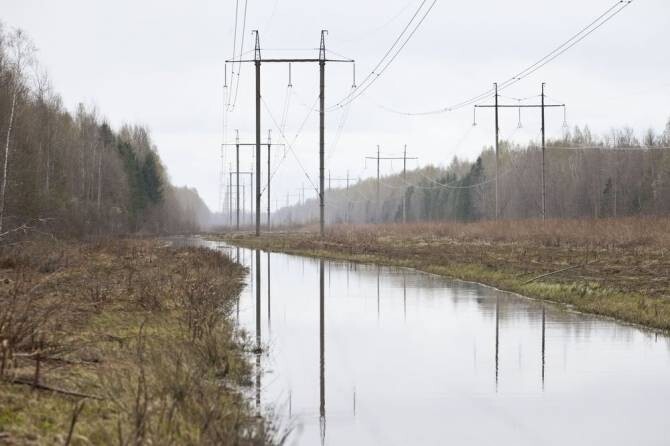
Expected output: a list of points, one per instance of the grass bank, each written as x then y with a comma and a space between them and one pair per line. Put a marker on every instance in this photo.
615, 268
123, 342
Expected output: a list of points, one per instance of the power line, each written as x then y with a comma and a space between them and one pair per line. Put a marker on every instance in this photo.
289, 145
239, 65
602, 19
237, 4
372, 77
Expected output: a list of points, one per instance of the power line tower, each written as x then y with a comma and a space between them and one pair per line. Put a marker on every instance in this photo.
237, 144
404, 159
542, 106
321, 60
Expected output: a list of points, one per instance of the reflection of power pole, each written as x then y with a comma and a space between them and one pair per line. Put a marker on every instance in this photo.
519, 106
258, 329
543, 344
497, 331
404, 296
321, 60
322, 355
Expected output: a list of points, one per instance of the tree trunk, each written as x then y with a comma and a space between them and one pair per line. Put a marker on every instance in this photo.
99, 179
3, 188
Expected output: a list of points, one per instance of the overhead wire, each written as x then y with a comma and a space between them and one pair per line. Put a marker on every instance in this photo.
369, 32
237, 4
338, 133
594, 25
289, 144
373, 75
239, 64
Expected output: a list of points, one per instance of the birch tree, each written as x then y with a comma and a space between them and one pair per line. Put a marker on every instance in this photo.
20, 56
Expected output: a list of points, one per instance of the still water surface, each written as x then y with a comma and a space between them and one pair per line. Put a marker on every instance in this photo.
366, 355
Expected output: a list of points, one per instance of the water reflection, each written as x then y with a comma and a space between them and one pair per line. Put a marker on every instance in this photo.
396, 379
322, 356
258, 329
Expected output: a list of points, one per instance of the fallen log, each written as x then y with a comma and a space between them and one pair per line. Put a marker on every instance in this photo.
41, 386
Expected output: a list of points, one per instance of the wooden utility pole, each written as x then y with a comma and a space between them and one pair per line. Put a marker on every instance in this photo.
237, 174
542, 106
257, 63
331, 179
268, 186
404, 180
544, 190
322, 117
377, 174
497, 151
237, 145
237, 179
321, 60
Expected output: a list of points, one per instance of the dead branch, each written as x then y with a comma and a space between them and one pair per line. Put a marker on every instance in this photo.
552, 273
42, 386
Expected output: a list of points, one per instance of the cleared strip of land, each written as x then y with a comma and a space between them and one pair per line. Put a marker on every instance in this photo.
616, 268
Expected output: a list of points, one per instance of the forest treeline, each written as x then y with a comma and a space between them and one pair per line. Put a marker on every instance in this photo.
70, 172
615, 175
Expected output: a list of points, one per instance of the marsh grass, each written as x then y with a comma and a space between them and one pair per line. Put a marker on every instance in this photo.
144, 330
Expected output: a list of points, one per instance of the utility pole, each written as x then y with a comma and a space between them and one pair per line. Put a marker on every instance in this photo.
348, 216
237, 173
544, 194
497, 151
542, 106
377, 174
251, 196
269, 177
257, 62
321, 60
404, 159
230, 198
331, 179
404, 180
237, 146
322, 116
237, 170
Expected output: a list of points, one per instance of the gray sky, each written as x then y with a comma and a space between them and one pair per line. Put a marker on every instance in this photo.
161, 64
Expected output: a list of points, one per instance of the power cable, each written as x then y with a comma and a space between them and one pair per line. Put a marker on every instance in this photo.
601, 20
290, 145
239, 64
372, 77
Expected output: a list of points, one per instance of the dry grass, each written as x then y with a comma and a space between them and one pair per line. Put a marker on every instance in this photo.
603, 233
142, 330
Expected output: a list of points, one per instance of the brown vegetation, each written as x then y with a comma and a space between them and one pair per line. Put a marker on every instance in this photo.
139, 331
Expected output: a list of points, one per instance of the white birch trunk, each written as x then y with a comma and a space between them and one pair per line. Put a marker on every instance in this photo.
3, 188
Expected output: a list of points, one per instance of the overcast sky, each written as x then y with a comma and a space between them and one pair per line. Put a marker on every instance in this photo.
161, 64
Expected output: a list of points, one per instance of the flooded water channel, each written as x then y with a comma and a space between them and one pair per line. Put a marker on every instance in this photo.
362, 355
